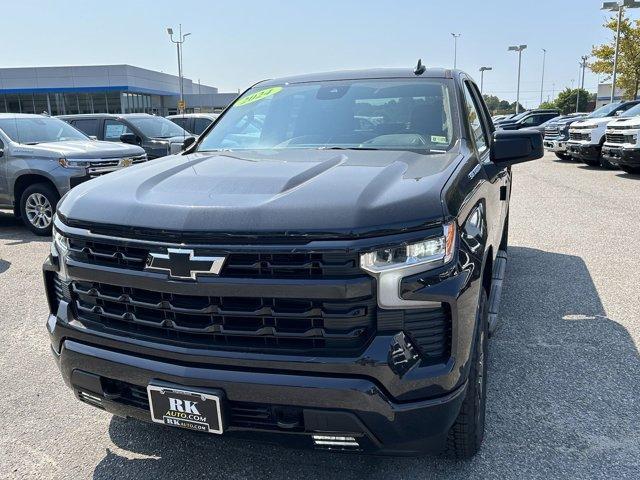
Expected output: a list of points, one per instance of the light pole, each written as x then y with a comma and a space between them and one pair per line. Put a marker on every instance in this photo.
482, 70
519, 49
583, 65
179, 42
455, 48
544, 56
618, 6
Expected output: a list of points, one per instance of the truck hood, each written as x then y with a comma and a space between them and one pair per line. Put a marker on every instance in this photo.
593, 122
625, 122
269, 191
83, 149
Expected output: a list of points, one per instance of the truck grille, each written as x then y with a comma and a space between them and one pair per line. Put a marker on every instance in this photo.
101, 167
617, 138
252, 265
579, 136
264, 324
551, 131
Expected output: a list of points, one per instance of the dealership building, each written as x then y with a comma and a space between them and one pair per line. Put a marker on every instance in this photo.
103, 89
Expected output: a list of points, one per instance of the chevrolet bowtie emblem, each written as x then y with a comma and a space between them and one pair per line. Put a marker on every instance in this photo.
183, 264
125, 162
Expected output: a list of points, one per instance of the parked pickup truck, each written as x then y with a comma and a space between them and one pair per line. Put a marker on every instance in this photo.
622, 145
42, 158
556, 134
156, 135
586, 137
298, 274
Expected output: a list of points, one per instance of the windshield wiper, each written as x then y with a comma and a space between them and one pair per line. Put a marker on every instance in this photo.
346, 148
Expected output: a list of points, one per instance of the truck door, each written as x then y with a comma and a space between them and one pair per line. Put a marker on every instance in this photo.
497, 199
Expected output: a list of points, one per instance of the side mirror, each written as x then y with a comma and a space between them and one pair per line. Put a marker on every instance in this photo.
511, 147
188, 142
130, 138
93, 137
510, 126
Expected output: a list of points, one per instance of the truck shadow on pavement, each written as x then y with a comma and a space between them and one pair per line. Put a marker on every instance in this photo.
562, 402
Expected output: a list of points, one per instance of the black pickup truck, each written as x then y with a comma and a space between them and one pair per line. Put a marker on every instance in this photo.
322, 268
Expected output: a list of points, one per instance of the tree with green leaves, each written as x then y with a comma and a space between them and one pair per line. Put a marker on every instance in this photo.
566, 101
628, 77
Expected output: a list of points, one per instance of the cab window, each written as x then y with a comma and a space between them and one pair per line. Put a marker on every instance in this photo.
89, 126
475, 121
113, 129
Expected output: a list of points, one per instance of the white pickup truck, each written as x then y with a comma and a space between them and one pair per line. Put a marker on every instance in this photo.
587, 137
622, 141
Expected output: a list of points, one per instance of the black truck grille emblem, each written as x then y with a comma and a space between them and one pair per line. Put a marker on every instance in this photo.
183, 264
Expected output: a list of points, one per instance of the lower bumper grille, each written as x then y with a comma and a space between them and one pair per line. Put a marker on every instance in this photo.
239, 414
264, 324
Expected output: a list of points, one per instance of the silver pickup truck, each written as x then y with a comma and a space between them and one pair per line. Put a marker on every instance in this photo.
42, 158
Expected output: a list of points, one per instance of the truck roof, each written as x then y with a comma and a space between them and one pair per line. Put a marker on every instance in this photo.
373, 73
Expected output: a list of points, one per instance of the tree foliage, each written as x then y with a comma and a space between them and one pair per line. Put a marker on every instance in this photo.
566, 100
628, 79
499, 107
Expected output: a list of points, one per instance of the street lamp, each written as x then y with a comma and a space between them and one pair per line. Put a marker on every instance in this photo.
618, 6
455, 48
482, 70
583, 65
519, 49
544, 56
179, 42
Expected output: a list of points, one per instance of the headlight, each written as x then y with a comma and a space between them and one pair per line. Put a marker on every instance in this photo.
429, 253
60, 242
73, 163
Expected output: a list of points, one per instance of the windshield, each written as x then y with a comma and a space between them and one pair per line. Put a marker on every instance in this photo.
33, 130
632, 112
604, 111
355, 114
157, 127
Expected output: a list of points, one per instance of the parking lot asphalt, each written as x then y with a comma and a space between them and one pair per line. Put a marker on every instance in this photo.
564, 371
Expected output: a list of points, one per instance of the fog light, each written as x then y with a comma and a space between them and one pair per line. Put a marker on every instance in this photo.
335, 441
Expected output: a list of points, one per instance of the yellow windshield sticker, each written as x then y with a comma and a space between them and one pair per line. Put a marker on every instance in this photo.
260, 95
438, 139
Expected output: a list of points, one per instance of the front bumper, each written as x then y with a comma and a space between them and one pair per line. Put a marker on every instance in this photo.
621, 156
340, 406
585, 151
556, 146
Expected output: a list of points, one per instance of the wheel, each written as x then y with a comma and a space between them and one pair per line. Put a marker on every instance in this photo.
631, 170
37, 206
466, 434
563, 156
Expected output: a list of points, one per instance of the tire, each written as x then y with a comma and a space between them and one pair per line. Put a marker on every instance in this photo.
467, 432
37, 206
630, 170
563, 156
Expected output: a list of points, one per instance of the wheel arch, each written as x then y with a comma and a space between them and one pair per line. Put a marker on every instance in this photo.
24, 181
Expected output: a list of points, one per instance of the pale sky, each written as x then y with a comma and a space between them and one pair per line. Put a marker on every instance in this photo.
236, 43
